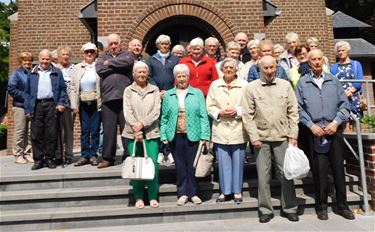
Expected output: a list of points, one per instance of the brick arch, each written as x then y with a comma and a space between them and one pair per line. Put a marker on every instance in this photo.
167, 9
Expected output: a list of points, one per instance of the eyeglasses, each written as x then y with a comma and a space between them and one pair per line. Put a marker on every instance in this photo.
90, 51
113, 43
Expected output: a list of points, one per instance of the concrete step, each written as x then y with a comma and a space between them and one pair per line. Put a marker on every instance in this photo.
122, 214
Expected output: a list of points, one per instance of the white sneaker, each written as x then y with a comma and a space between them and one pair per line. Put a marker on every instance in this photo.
170, 158
196, 200
182, 200
160, 158
20, 160
29, 159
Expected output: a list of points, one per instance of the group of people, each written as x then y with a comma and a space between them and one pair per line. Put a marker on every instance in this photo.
180, 98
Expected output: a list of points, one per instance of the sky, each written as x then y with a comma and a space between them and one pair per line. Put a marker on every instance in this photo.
5, 1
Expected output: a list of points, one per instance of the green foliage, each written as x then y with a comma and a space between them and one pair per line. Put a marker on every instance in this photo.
6, 10
3, 129
369, 120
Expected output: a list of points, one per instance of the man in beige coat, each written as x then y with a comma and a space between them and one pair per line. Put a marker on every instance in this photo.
270, 116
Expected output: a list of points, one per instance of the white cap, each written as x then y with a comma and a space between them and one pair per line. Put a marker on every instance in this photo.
88, 46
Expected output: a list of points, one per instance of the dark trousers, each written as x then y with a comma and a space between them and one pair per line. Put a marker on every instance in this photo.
90, 128
44, 130
320, 164
183, 152
112, 115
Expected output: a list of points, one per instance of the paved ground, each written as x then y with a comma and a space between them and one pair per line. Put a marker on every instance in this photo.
308, 222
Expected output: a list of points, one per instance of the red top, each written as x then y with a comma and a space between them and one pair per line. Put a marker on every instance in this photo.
202, 75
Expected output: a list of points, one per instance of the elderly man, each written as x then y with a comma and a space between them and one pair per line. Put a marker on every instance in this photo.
323, 107
241, 39
114, 68
270, 116
266, 49
135, 47
45, 96
212, 48
66, 118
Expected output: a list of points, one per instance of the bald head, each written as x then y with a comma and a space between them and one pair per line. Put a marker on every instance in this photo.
45, 59
241, 39
114, 44
268, 67
135, 46
315, 60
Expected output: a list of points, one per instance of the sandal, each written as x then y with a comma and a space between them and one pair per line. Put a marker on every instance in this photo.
154, 204
139, 204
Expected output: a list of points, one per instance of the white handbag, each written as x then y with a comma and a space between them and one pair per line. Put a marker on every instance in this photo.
203, 161
138, 168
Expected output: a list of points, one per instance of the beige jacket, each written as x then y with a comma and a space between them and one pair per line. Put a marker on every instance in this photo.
270, 111
142, 107
78, 71
226, 130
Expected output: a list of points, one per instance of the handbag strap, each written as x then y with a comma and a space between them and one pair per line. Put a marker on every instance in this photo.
144, 148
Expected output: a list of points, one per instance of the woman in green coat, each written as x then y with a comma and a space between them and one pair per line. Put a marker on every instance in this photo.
184, 124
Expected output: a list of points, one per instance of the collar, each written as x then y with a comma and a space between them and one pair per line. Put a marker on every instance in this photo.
234, 84
174, 90
149, 87
267, 83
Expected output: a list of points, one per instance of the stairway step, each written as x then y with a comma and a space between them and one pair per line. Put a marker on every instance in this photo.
94, 216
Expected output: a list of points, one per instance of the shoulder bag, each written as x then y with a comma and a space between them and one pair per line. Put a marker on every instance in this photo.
203, 161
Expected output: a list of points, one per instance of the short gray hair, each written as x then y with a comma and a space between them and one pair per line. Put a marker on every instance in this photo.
140, 64
342, 43
212, 38
179, 47
60, 49
163, 39
276, 46
181, 68
229, 60
232, 45
292, 35
252, 43
197, 42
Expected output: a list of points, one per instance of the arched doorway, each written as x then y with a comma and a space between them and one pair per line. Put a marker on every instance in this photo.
181, 29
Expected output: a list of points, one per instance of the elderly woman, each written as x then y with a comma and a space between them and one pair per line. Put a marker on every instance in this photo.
228, 134
302, 68
179, 51
16, 89
253, 47
348, 69
85, 100
202, 68
233, 50
313, 43
161, 67
142, 111
184, 124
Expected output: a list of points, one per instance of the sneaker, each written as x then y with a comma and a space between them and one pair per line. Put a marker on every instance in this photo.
170, 158
28, 158
160, 158
182, 200
196, 200
20, 160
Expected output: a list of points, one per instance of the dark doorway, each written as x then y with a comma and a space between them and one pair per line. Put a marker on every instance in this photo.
181, 29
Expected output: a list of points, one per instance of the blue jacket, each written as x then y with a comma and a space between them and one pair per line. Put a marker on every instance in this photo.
321, 106
16, 86
161, 74
197, 123
254, 73
58, 89
356, 71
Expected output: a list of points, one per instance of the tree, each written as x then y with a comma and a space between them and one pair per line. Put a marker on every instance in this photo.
5, 11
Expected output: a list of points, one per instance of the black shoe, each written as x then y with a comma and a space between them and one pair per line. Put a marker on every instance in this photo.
264, 218
293, 217
322, 214
346, 213
68, 161
37, 165
238, 200
50, 164
82, 161
221, 199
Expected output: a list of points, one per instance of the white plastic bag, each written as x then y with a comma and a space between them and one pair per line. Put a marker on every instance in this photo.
296, 164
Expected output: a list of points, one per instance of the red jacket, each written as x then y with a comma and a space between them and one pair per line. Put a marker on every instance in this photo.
203, 75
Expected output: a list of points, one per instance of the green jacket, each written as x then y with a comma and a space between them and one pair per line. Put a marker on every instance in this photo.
198, 126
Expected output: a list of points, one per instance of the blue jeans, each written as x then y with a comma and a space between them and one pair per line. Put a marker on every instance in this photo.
231, 159
90, 128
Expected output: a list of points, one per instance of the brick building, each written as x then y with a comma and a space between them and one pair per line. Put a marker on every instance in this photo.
50, 23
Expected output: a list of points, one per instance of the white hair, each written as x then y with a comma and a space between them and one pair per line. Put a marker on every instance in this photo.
163, 39
229, 60
181, 68
178, 48
216, 41
252, 43
276, 46
140, 64
292, 36
343, 44
232, 45
197, 42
